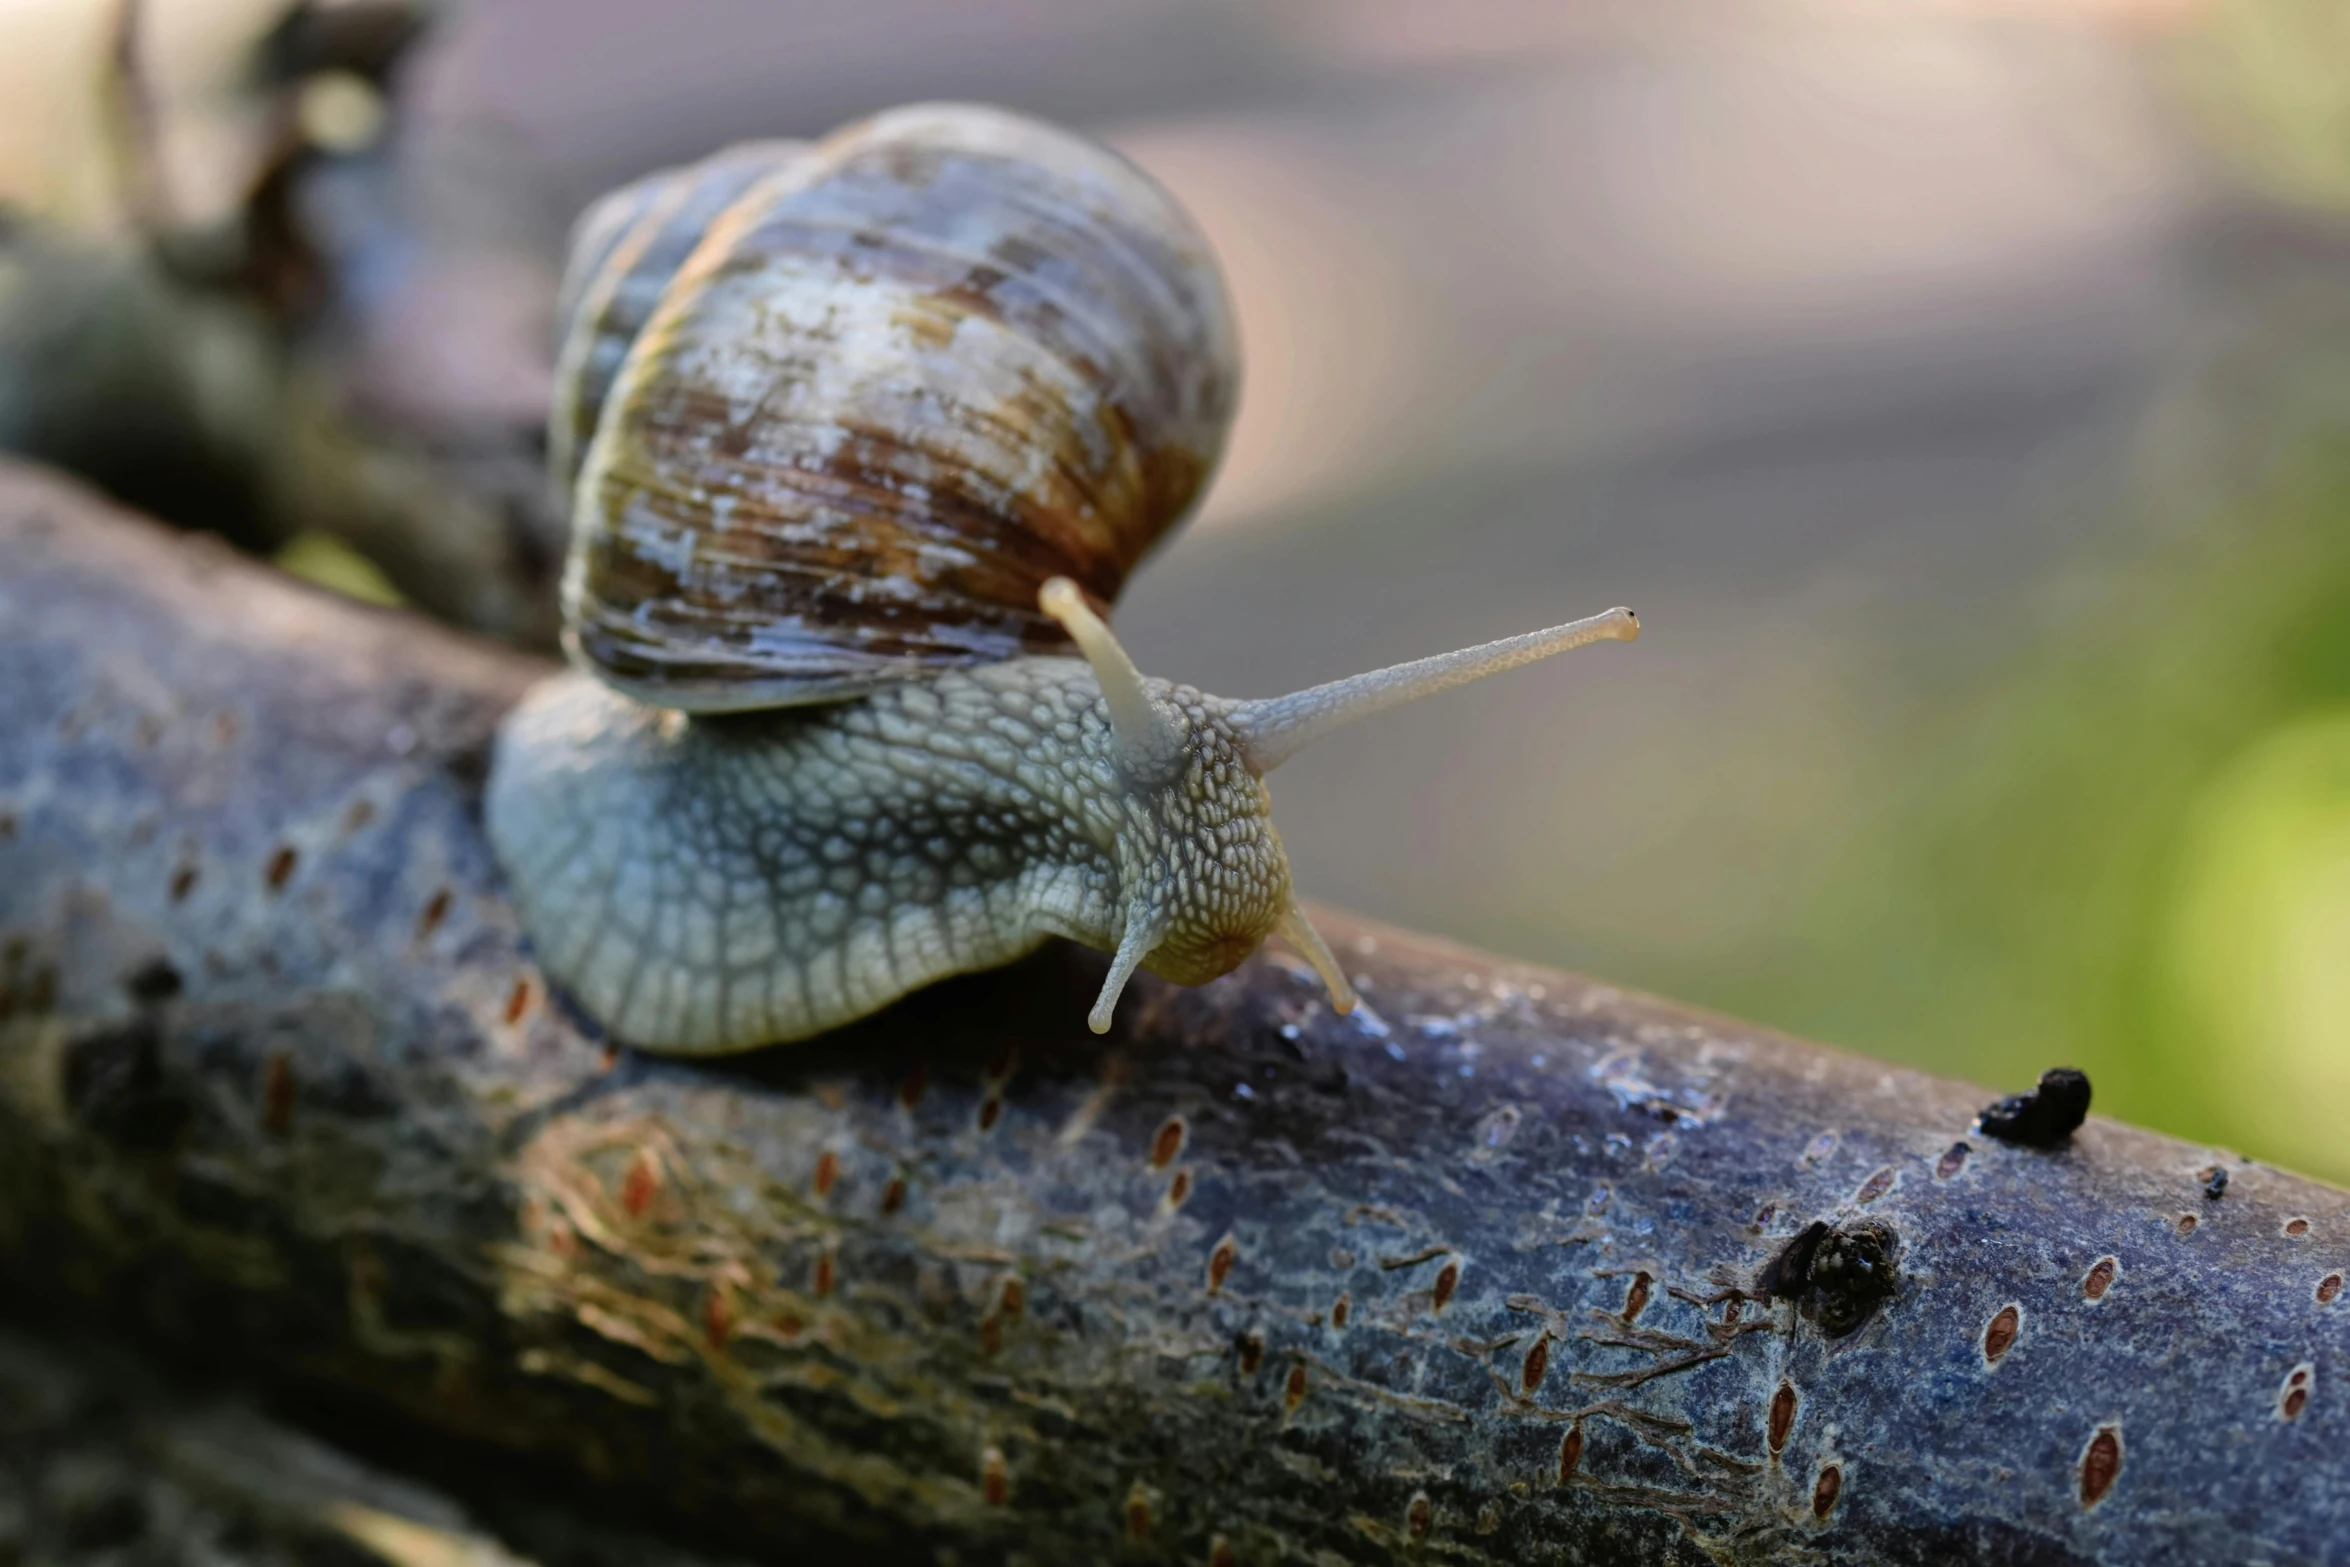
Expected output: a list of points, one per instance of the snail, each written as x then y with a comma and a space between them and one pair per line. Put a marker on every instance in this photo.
862, 438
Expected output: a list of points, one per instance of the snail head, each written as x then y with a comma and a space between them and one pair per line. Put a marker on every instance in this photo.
1208, 880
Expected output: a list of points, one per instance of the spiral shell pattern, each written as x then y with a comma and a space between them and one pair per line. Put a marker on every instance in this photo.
624, 250
833, 414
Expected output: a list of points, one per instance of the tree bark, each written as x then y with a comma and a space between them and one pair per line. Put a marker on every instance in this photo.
1469, 1276
103, 1462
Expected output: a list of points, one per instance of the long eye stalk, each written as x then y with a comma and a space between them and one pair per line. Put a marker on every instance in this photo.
1273, 730
1147, 737
1277, 728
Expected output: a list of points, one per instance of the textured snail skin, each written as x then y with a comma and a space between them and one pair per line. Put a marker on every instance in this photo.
713, 884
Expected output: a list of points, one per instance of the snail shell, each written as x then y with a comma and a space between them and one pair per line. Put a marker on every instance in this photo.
854, 404
624, 250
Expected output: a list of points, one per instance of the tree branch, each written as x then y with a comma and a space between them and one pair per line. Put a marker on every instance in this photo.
1472, 1273
102, 1462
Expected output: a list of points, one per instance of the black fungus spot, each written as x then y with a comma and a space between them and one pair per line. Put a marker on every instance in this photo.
1852, 1271
1785, 1275
2044, 1117
1835, 1274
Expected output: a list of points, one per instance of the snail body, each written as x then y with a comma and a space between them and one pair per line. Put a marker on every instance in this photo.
929, 829
860, 436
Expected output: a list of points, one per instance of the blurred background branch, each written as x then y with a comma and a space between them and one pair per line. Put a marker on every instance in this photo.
223, 297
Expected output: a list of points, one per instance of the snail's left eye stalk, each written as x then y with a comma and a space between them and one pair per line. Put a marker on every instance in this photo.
1148, 738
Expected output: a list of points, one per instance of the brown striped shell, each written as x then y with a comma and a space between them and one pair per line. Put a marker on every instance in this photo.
624, 251
833, 414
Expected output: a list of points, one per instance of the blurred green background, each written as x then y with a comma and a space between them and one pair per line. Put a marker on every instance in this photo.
1960, 392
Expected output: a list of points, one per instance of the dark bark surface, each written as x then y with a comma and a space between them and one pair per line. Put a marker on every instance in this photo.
104, 1464
1465, 1277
